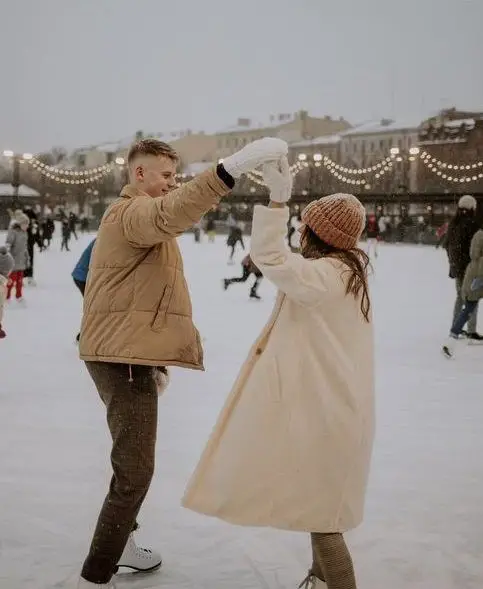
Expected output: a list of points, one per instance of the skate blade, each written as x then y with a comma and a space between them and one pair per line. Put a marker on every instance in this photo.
446, 353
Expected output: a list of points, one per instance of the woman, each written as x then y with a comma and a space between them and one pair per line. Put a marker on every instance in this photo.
6, 265
292, 446
471, 293
17, 245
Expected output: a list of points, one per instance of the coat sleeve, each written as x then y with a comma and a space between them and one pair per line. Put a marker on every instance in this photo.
304, 281
3, 295
476, 247
147, 221
10, 240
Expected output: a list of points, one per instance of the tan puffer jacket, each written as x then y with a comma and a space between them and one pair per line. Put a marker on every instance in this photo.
474, 269
137, 308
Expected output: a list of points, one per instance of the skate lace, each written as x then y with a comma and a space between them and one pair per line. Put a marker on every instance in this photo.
143, 552
308, 582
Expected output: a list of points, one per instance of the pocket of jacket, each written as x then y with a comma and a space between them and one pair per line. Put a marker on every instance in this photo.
159, 318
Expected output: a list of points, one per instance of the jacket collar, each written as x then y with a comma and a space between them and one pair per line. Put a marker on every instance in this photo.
130, 191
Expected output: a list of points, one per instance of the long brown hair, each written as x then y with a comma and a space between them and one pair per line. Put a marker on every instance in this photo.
356, 260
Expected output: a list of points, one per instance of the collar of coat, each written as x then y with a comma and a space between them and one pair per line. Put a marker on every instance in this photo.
130, 191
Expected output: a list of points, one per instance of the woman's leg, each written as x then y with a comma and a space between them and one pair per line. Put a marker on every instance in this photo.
468, 308
332, 561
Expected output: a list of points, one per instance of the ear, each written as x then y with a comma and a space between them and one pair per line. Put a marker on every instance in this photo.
139, 172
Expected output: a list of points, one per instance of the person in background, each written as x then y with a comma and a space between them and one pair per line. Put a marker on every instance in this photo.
66, 235
210, 228
197, 231
292, 447
457, 243
48, 230
235, 237
6, 266
471, 292
17, 245
73, 220
84, 224
441, 233
79, 274
372, 235
248, 268
34, 238
293, 232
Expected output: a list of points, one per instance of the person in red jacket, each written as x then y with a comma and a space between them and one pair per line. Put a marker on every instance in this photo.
373, 234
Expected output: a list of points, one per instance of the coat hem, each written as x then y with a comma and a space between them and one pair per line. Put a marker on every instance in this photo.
140, 361
329, 529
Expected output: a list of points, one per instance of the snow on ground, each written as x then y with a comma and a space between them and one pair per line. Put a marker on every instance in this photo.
424, 520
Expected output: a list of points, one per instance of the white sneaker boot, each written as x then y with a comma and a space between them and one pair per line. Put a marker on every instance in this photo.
83, 584
139, 559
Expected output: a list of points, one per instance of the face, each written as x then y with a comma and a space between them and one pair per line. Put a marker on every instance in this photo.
154, 175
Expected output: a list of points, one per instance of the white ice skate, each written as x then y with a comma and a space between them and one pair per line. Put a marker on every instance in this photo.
139, 559
312, 582
83, 584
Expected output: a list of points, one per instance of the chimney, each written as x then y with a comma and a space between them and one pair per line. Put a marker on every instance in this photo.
243, 122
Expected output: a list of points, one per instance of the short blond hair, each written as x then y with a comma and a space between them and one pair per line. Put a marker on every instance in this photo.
151, 147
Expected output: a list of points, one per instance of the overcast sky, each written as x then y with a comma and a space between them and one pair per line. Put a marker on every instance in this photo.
79, 72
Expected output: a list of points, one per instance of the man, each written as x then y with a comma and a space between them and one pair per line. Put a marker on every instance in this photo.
137, 317
457, 243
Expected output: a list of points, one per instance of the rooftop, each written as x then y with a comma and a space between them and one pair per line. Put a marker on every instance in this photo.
383, 126
324, 140
273, 121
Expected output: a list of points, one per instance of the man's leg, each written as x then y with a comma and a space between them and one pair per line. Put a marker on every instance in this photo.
132, 419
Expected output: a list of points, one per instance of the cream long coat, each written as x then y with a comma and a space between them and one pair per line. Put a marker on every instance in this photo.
292, 446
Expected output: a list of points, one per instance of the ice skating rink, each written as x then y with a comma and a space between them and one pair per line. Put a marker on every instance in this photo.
424, 519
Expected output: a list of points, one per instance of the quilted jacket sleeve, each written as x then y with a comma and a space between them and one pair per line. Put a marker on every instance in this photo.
3, 294
147, 221
304, 281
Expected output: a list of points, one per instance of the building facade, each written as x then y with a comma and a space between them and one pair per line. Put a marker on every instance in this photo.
451, 153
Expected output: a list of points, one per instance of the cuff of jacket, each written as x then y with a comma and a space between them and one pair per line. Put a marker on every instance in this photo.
224, 176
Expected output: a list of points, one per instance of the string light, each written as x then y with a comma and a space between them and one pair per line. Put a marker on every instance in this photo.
439, 168
450, 172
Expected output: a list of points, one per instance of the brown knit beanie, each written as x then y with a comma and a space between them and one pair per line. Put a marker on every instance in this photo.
338, 219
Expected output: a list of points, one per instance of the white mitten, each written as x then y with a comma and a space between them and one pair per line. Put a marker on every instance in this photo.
278, 178
254, 154
161, 378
